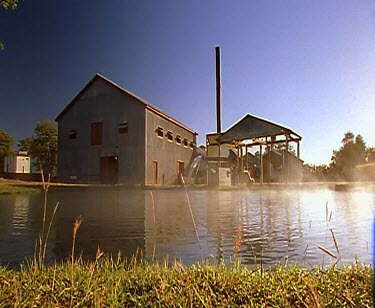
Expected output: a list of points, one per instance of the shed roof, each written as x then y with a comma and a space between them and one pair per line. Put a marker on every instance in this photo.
250, 127
137, 98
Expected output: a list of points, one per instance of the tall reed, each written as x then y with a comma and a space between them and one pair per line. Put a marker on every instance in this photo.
324, 249
77, 224
43, 236
237, 243
191, 211
153, 215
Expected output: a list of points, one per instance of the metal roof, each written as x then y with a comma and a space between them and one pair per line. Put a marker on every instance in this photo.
252, 127
137, 98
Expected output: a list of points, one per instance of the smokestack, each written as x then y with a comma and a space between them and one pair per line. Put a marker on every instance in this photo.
218, 90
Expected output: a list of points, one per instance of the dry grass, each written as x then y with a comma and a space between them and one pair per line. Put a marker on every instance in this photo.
106, 282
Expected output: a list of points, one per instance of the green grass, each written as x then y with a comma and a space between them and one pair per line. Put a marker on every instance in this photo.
109, 283
15, 189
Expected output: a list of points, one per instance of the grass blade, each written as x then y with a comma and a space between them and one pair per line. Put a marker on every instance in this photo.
335, 241
327, 251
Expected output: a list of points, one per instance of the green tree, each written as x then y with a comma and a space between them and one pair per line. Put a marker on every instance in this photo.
6, 144
44, 145
7, 4
282, 146
351, 154
316, 173
370, 154
25, 144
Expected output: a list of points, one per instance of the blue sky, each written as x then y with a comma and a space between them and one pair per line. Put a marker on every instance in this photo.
308, 65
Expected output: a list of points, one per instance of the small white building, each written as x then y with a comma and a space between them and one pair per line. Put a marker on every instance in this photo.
19, 163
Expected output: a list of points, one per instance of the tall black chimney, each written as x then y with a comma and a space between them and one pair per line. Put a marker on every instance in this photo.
218, 90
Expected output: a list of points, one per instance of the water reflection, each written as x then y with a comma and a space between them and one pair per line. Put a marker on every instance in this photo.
113, 220
269, 226
20, 214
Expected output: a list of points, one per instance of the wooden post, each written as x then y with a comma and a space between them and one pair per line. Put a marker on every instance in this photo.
261, 164
241, 157
218, 165
247, 159
298, 149
238, 165
269, 148
287, 160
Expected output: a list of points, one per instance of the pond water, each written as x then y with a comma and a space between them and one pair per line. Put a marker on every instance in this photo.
263, 227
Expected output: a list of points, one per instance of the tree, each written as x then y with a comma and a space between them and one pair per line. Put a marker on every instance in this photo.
370, 154
282, 146
351, 154
316, 173
7, 4
25, 144
44, 145
6, 144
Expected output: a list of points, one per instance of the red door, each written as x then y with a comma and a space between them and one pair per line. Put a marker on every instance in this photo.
109, 170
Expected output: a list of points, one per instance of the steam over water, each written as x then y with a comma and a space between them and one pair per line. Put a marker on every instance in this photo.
264, 227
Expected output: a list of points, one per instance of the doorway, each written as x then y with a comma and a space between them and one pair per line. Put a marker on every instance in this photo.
180, 171
109, 170
155, 172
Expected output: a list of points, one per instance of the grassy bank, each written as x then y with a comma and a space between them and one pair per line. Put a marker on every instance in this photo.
109, 283
8, 186
15, 189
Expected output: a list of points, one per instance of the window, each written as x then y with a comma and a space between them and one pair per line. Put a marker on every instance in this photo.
170, 136
178, 139
96, 133
123, 128
159, 132
191, 144
72, 134
185, 142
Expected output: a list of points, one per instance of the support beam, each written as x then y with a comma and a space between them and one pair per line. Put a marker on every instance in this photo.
287, 160
247, 159
298, 149
269, 149
238, 165
242, 155
261, 164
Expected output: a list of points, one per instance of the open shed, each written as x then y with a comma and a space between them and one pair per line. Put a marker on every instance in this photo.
244, 135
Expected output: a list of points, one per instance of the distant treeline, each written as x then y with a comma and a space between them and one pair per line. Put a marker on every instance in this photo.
354, 161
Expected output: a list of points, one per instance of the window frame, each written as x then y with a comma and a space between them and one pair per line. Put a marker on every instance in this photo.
72, 134
185, 142
178, 139
169, 135
123, 128
160, 132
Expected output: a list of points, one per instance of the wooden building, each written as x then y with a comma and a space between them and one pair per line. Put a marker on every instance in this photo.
279, 169
227, 151
107, 134
19, 163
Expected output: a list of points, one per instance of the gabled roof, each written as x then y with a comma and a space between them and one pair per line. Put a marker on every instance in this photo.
137, 98
250, 127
